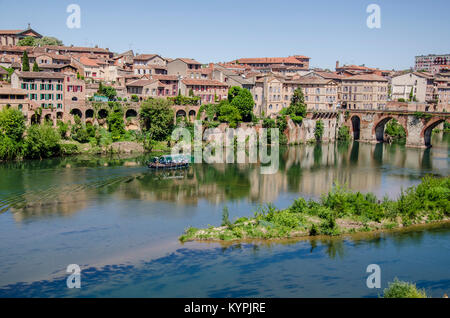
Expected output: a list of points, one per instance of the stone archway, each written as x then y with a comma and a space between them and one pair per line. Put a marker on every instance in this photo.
48, 118
131, 113
102, 113
76, 112
181, 113
89, 113
35, 119
379, 128
60, 115
192, 115
356, 127
428, 129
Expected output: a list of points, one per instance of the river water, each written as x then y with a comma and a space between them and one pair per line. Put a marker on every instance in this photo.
120, 223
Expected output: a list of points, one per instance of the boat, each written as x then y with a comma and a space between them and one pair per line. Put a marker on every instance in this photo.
169, 162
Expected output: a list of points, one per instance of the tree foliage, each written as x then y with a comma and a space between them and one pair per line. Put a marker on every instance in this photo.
157, 118
297, 108
229, 114
32, 41
242, 99
25, 62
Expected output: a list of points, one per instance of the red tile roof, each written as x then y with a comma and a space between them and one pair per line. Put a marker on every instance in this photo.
11, 31
41, 75
189, 61
203, 82
273, 60
365, 77
145, 57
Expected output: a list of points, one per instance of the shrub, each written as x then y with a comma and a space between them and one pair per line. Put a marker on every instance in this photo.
318, 131
69, 149
41, 141
343, 133
395, 130
400, 289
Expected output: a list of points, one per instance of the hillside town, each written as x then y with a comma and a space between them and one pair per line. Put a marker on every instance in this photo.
64, 81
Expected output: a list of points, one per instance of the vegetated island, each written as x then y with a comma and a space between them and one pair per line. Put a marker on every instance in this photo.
341, 211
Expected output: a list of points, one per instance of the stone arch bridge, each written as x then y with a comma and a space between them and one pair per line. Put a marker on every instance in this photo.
369, 125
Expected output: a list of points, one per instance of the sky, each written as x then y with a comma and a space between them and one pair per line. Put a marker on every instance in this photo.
218, 31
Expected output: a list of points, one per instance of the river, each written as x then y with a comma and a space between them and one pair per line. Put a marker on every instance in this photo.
120, 223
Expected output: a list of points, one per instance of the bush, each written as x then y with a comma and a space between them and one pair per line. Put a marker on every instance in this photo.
41, 141
400, 289
12, 123
229, 114
156, 117
318, 131
343, 133
69, 149
116, 124
395, 130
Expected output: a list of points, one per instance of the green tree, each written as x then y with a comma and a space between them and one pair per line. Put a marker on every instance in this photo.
25, 62
318, 131
48, 40
27, 41
233, 92
36, 67
411, 95
157, 118
243, 101
42, 141
32, 41
297, 108
116, 124
12, 124
229, 113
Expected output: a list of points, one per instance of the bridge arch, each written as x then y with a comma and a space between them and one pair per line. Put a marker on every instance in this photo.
379, 128
428, 129
381, 124
356, 127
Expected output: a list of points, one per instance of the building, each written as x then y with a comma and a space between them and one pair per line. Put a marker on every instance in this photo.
183, 67
156, 86
77, 50
3, 74
368, 91
12, 37
209, 91
15, 98
426, 62
149, 64
268, 63
44, 88
418, 83
273, 93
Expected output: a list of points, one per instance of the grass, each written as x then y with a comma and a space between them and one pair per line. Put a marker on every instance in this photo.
340, 211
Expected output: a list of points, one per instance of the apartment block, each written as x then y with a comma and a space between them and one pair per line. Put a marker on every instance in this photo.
364, 92
427, 62
207, 90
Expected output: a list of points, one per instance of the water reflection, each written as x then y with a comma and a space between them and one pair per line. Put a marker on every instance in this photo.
62, 187
291, 269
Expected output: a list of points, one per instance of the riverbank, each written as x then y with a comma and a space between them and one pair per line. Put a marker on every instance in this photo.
339, 212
